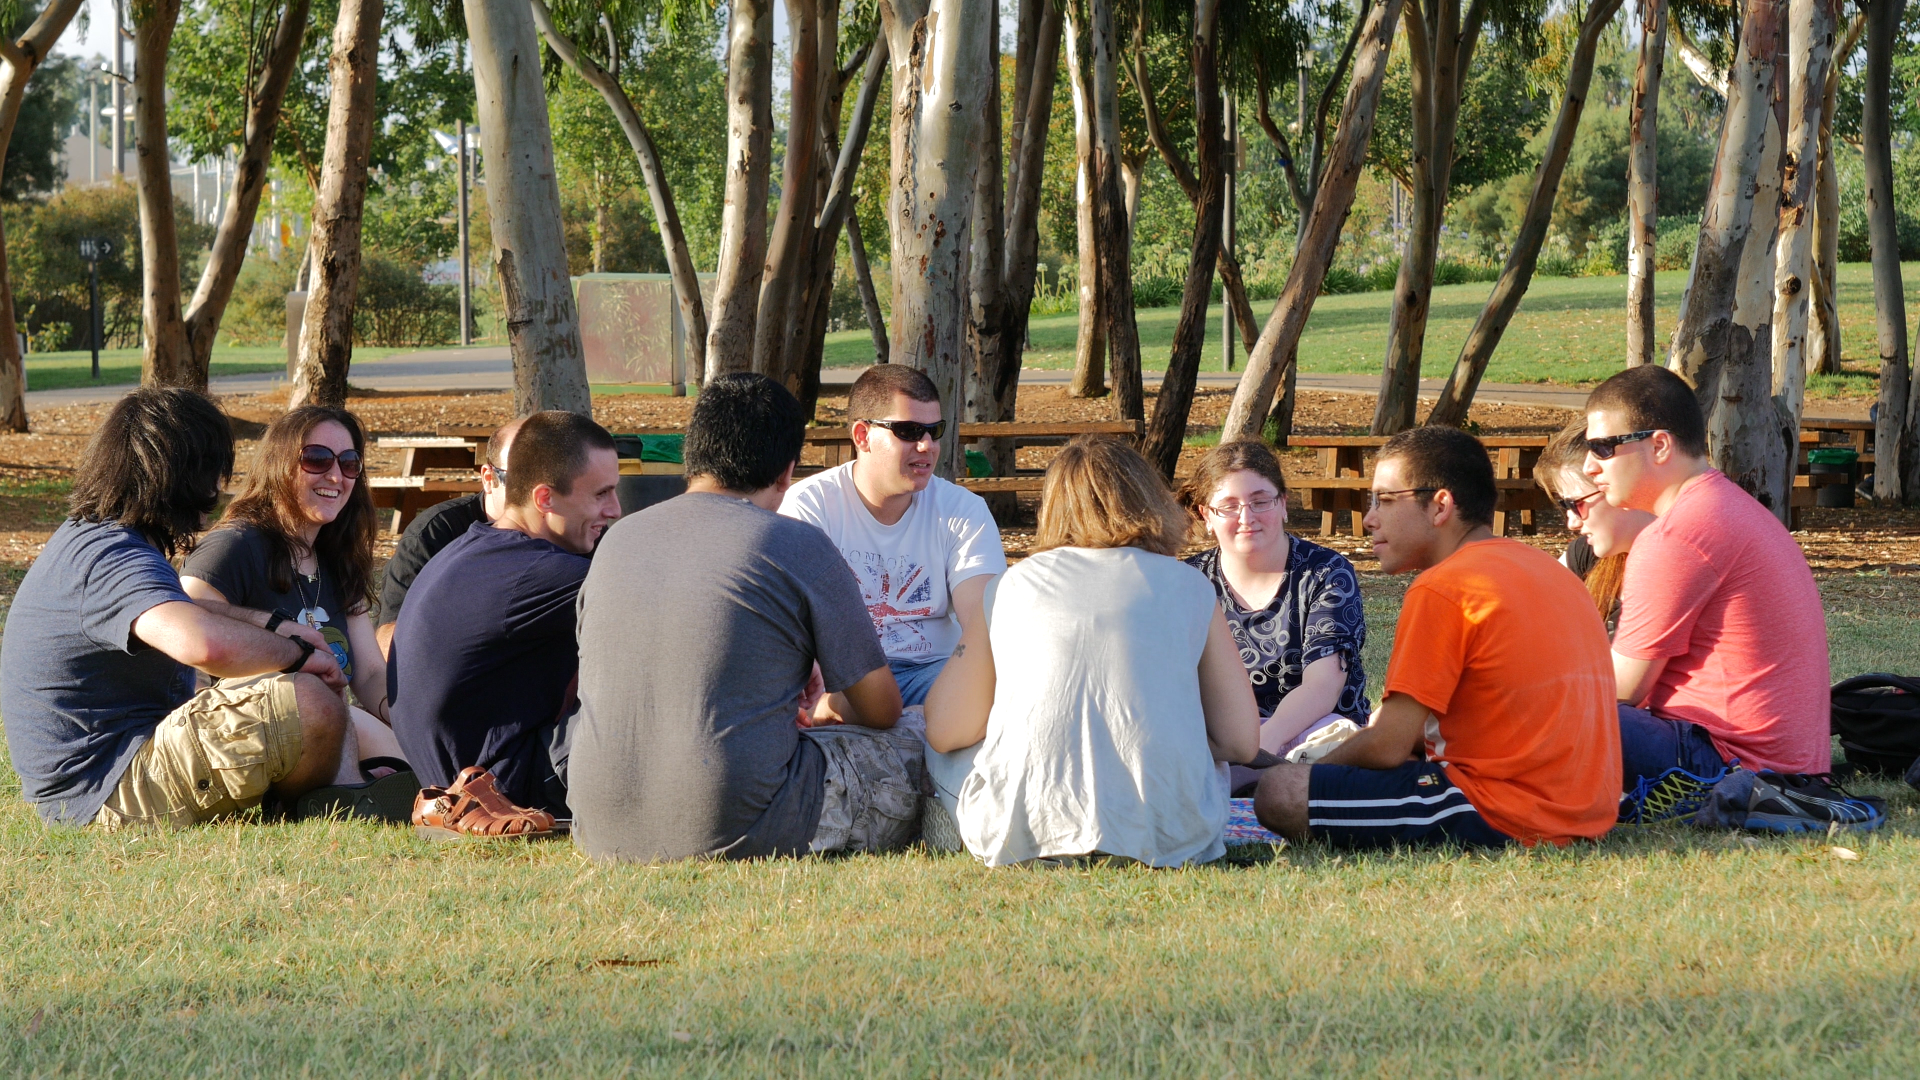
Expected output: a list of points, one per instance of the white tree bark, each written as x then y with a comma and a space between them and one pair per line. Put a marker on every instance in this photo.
743, 220
1642, 183
1810, 31
938, 53
523, 197
1090, 343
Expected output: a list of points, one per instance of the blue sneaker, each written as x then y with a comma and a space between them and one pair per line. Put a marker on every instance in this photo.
1792, 803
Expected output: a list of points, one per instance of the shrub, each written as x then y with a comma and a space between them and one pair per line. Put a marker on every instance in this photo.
1340, 280
1157, 290
395, 306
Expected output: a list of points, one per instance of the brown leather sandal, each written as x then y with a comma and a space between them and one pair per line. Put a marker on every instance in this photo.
472, 807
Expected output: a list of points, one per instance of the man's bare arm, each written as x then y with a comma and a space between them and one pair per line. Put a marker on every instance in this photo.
225, 647
874, 701
1635, 679
1388, 741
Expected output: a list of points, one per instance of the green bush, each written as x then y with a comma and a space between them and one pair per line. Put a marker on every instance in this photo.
1157, 290
1341, 280
396, 306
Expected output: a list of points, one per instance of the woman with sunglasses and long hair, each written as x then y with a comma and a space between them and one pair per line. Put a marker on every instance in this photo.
1603, 532
1293, 606
298, 542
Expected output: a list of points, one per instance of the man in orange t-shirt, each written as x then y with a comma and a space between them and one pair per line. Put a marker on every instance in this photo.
1500, 673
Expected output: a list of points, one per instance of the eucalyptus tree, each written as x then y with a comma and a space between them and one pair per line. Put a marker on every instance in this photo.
1266, 364
1269, 32
1896, 469
748, 165
523, 200
1723, 339
333, 249
1442, 37
179, 344
1643, 126
1456, 397
19, 58
606, 28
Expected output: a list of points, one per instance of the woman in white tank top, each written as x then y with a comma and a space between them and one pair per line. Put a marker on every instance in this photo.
1090, 714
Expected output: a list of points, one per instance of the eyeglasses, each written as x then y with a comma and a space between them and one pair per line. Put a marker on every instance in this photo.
912, 431
1374, 497
317, 459
1577, 507
1606, 446
1255, 506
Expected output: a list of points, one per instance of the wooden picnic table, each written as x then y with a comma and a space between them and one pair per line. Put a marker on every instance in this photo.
426, 461
1346, 474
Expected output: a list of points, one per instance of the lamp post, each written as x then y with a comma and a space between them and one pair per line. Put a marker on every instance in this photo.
93, 249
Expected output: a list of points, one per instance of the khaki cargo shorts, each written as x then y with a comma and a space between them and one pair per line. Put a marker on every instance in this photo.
213, 756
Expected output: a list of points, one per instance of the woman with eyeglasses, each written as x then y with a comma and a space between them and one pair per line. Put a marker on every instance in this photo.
297, 542
1603, 533
1293, 606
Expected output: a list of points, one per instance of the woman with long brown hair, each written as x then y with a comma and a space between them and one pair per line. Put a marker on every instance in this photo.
1603, 533
1089, 715
298, 542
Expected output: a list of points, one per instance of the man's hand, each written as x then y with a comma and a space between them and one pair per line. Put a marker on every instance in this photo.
812, 696
322, 665
294, 628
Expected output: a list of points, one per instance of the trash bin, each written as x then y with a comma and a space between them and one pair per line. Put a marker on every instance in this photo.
1828, 462
639, 492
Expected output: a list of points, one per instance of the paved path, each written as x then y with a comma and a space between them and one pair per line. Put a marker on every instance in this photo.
491, 368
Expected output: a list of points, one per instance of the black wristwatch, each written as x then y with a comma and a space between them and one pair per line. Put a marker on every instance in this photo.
275, 618
306, 650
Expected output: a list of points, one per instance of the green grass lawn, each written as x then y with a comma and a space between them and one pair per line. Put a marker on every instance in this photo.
337, 949
1568, 330
61, 370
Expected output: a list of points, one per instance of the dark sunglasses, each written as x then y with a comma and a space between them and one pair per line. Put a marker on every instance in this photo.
912, 431
317, 459
1606, 446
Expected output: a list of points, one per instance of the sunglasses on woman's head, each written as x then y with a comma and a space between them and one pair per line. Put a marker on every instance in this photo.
1604, 447
912, 431
317, 459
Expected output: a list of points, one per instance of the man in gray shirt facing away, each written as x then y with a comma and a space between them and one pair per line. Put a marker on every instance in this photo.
700, 626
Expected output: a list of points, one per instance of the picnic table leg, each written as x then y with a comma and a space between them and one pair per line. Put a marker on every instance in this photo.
1336, 501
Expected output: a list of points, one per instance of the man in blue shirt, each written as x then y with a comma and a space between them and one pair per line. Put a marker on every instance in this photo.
483, 661
96, 678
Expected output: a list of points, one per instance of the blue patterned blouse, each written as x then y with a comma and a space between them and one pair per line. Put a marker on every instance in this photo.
1316, 614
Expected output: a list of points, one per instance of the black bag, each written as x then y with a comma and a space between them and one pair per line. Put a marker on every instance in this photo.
1877, 717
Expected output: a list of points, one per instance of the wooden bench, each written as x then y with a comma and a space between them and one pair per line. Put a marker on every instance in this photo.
457, 448
1345, 476
836, 444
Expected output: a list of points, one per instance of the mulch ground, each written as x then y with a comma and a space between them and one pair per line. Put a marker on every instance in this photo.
34, 466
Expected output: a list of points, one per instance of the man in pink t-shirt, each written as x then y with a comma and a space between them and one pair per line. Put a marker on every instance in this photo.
1721, 654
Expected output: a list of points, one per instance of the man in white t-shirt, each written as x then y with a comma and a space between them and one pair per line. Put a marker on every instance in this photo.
922, 548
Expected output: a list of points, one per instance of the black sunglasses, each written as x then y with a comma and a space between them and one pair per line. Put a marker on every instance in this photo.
1604, 447
1578, 507
317, 459
912, 431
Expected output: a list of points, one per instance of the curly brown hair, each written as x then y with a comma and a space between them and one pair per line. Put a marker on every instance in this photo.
270, 502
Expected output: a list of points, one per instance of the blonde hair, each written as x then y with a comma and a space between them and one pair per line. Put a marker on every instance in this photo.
1566, 454
1100, 493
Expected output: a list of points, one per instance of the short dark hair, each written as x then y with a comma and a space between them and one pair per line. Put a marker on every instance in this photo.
872, 393
746, 429
1651, 398
552, 449
156, 465
1449, 459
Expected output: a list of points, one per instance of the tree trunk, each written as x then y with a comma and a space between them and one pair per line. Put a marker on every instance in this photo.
743, 219
1267, 364
863, 280
1113, 225
523, 199
1810, 34
1722, 342
791, 248
1022, 256
229, 251
1894, 435
1823, 346
166, 361
1168, 431
939, 53
1643, 212
1696, 62
1457, 396
1440, 44
986, 284
1090, 342
666, 212
18, 61
333, 250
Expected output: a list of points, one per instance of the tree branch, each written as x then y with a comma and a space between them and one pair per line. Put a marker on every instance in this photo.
1326, 96
1696, 61
1156, 124
1302, 202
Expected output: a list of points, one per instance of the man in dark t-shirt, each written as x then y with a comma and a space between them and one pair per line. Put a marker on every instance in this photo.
709, 628
439, 525
483, 661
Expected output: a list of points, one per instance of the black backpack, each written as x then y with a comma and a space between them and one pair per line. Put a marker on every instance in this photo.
1877, 717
